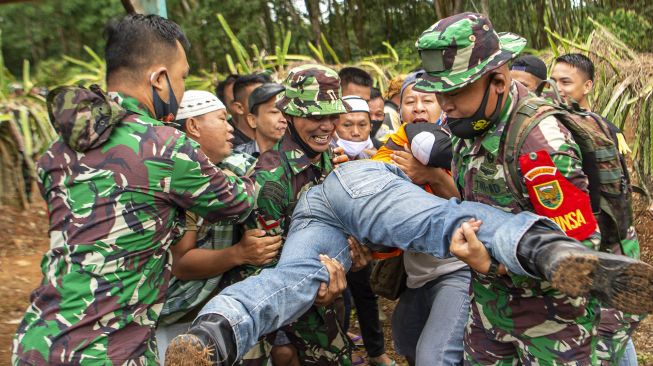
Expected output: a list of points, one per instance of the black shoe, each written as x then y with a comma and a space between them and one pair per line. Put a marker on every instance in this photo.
618, 281
209, 341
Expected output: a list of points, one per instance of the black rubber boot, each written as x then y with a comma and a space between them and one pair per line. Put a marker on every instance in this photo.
618, 281
209, 341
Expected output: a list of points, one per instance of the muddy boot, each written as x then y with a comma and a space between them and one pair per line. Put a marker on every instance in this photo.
209, 341
618, 281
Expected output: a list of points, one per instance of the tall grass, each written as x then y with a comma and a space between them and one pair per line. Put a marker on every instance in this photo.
623, 89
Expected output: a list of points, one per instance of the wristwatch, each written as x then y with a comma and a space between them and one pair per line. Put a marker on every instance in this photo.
493, 272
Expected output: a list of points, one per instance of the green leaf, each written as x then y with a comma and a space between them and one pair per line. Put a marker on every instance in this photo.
316, 52
329, 49
230, 64
391, 50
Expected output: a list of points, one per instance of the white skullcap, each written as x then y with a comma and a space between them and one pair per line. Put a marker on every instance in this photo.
356, 103
196, 103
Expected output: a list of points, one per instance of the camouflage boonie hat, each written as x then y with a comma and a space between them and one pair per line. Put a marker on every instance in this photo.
311, 90
458, 50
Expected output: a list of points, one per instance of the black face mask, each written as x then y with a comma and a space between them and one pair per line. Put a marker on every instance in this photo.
163, 111
305, 147
476, 125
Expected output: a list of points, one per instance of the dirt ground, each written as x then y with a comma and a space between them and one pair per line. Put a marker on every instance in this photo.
25, 241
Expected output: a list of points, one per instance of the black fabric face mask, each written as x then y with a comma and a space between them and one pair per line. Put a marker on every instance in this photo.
163, 111
477, 124
305, 147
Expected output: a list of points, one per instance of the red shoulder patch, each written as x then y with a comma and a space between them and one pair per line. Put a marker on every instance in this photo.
553, 196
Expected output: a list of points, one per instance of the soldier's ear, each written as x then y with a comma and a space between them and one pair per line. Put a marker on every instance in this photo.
192, 128
500, 82
158, 80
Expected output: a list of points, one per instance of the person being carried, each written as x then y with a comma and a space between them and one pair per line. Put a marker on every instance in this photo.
206, 250
428, 321
302, 158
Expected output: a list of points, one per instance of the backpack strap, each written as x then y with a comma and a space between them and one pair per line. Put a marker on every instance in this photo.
528, 113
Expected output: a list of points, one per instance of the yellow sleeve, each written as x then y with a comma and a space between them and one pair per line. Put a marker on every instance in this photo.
396, 142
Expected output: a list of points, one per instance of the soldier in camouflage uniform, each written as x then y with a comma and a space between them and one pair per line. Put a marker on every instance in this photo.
513, 318
207, 249
312, 104
117, 182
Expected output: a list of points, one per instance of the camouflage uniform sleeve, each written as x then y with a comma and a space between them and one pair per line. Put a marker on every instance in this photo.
272, 195
550, 135
197, 185
555, 138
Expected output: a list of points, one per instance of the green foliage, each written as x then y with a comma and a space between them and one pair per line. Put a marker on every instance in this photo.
623, 88
92, 72
25, 131
630, 27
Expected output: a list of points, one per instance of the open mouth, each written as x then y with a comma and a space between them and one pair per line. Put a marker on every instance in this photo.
321, 139
420, 119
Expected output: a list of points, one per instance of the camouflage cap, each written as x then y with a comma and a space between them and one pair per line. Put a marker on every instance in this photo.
311, 90
458, 50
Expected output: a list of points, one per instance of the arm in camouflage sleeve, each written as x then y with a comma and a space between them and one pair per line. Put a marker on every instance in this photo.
197, 185
551, 136
272, 190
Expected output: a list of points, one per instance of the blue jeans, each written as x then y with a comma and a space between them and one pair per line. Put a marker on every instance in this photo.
375, 203
630, 355
428, 324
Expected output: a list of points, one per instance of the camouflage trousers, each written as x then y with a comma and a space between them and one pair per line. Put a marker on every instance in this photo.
520, 321
615, 329
318, 337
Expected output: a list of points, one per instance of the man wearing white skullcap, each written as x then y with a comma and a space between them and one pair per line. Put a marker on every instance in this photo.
204, 119
353, 129
206, 251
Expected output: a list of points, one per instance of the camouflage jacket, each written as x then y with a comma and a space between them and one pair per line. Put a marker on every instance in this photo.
478, 166
117, 183
281, 174
182, 297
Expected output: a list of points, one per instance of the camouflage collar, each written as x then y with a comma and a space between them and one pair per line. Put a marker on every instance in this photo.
297, 159
133, 105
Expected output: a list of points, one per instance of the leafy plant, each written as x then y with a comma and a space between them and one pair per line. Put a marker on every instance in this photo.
623, 88
93, 71
25, 132
382, 67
